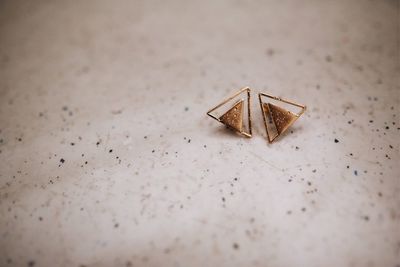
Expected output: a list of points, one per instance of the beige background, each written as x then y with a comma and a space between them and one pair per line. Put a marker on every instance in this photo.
178, 189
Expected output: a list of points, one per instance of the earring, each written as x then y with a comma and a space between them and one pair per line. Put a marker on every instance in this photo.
233, 118
277, 119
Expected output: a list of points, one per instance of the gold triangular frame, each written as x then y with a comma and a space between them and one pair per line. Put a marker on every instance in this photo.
247, 133
303, 109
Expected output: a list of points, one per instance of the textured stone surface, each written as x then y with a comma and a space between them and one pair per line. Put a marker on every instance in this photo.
108, 159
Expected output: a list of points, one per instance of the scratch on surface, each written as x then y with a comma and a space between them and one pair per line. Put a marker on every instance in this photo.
269, 164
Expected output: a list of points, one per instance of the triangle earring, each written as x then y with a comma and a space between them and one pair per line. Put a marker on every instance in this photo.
235, 118
278, 119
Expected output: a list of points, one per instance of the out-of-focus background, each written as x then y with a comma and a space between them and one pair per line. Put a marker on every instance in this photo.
108, 159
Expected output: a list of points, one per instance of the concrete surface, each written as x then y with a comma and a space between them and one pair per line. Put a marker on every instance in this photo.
108, 159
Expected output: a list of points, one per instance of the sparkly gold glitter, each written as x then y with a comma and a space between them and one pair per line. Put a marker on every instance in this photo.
233, 118
276, 119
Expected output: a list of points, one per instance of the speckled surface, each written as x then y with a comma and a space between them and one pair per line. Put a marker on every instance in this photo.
108, 159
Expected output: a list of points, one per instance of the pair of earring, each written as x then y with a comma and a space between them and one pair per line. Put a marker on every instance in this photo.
276, 119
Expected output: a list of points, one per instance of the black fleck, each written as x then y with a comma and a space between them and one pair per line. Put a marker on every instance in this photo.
328, 58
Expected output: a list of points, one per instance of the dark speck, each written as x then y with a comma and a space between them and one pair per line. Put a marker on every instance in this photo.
235, 245
303, 209
110, 151
270, 52
366, 218
336, 141
355, 172
62, 160
116, 225
186, 108
19, 139
72, 144
64, 108
328, 58
31, 263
